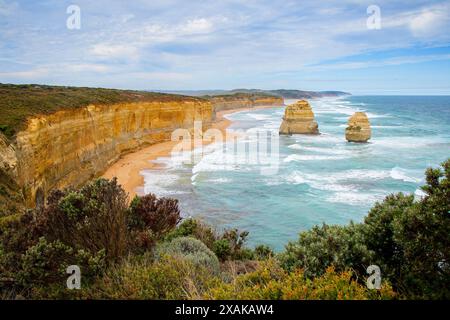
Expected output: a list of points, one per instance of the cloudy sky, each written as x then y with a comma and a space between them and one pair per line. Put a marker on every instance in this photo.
268, 44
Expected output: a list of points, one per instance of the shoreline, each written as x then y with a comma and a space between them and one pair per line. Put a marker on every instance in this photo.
128, 167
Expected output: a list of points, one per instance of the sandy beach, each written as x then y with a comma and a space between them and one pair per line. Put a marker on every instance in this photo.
127, 169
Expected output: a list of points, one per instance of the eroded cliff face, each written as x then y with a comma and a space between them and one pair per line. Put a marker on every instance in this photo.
69, 147
299, 119
358, 129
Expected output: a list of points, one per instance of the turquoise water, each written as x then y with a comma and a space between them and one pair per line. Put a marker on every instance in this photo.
314, 179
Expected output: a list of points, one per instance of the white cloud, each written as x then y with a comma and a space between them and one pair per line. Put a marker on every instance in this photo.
429, 22
90, 67
197, 26
38, 72
105, 50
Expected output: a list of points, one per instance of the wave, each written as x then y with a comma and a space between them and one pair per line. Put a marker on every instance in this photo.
353, 198
258, 116
298, 157
407, 142
401, 174
160, 183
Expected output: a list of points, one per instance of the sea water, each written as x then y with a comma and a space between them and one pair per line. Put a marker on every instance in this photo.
317, 179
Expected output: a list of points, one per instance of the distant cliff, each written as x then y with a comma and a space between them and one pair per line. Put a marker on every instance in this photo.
283, 93
242, 100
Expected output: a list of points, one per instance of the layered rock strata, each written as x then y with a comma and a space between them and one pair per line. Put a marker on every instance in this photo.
358, 129
69, 147
299, 119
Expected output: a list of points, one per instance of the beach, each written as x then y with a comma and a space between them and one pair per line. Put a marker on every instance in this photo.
127, 169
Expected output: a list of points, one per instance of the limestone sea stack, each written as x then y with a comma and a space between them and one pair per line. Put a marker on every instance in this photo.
299, 118
358, 129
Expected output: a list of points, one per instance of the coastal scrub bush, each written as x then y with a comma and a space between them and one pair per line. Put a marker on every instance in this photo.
270, 281
92, 218
148, 213
190, 249
197, 229
230, 245
324, 246
45, 263
168, 278
411, 238
263, 252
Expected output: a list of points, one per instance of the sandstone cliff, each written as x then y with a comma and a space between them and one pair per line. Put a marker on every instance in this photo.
299, 118
57, 137
358, 129
69, 147
243, 100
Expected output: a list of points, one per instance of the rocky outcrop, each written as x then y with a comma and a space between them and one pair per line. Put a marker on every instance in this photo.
69, 147
358, 129
299, 118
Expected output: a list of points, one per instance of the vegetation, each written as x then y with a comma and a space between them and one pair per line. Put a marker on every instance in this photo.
18, 102
144, 251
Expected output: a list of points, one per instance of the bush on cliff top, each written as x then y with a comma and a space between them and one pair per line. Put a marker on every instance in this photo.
190, 249
270, 282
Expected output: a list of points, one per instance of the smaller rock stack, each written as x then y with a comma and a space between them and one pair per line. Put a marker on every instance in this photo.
299, 118
358, 129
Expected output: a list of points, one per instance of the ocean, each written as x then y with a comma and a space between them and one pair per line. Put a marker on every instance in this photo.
276, 186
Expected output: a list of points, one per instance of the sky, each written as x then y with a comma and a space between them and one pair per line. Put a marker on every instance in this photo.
363, 47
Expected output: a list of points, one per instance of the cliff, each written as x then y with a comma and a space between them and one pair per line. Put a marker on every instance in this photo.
242, 100
67, 146
358, 129
283, 93
299, 118
56, 137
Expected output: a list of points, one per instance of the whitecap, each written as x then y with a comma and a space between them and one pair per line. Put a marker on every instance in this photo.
401, 174
355, 198
298, 157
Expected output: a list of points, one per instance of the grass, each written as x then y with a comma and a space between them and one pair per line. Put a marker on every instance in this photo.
18, 102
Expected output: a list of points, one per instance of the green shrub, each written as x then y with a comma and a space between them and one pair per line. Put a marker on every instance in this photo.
190, 249
342, 247
263, 252
411, 238
196, 229
45, 264
222, 249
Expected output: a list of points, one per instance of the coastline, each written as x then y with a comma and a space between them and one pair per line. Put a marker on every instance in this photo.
127, 169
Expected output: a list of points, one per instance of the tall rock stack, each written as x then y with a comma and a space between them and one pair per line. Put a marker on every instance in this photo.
299, 118
358, 129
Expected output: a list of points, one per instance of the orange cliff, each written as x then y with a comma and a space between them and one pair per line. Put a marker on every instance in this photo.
69, 147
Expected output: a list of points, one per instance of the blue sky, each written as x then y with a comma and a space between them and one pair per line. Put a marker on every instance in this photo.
182, 45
